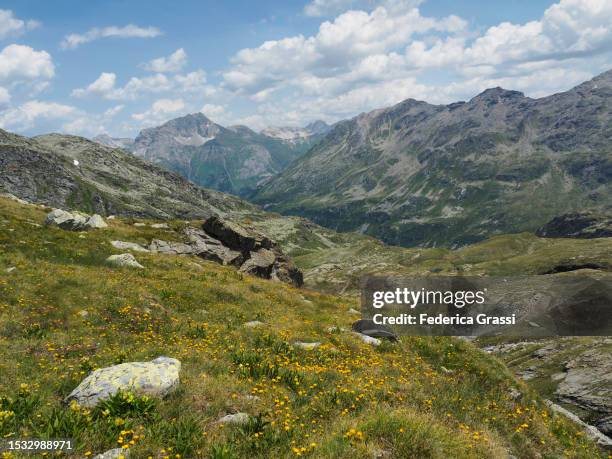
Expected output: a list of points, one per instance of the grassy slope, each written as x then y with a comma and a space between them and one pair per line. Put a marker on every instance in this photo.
343, 399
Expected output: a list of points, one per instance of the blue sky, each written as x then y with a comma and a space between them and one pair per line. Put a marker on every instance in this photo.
118, 66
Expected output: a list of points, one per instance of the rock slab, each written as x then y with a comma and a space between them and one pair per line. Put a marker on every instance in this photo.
156, 378
124, 259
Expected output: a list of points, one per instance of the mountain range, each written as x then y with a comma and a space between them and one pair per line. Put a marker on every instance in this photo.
417, 174
232, 159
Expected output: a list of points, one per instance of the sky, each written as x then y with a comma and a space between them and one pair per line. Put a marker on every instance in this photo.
115, 67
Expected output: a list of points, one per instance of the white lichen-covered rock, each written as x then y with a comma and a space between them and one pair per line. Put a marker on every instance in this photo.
72, 221
368, 339
253, 324
122, 245
124, 259
306, 346
236, 419
160, 226
156, 378
116, 453
96, 221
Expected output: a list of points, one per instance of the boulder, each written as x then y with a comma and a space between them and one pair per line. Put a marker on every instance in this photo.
124, 259
285, 270
235, 236
212, 249
74, 221
230, 244
96, 221
116, 453
369, 328
71, 221
239, 419
170, 247
160, 226
368, 339
122, 245
306, 346
259, 264
156, 378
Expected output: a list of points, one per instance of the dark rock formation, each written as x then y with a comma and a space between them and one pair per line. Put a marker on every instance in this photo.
369, 328
236, 236
581, 225
258, 255
231, 244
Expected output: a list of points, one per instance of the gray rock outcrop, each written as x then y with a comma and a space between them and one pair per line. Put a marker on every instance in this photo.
588, 382
122, 245
231, 244
71, 221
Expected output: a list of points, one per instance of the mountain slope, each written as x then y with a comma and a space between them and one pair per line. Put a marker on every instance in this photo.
421, 174
115, 142
65, 312
233, 160
73, 172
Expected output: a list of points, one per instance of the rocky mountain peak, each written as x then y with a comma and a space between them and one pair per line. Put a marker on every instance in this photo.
496, 95
318, 127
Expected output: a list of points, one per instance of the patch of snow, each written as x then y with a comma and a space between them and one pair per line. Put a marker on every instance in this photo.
286, 133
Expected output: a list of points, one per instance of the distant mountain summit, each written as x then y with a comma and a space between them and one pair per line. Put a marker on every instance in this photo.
422, 174
232, 159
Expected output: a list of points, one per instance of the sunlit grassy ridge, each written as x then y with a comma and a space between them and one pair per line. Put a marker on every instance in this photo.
418, 398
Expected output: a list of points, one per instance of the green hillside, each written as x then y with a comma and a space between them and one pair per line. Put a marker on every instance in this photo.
64, 312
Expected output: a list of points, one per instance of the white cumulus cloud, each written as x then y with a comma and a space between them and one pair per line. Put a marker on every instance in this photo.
13, 26
378, 52
105, 85
74, 40
159, 112
20, 62
26, 115
172, 63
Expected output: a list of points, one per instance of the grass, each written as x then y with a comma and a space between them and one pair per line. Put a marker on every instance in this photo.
344, 399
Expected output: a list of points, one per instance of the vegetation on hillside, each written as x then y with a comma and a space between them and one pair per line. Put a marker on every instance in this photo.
64, 312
